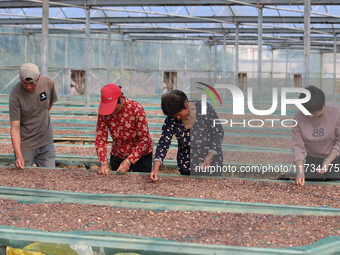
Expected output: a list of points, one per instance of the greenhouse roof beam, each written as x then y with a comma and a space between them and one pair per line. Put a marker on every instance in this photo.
281, 37
141, 30
223, 30
98, 3
273, 44
242, 40
212, 19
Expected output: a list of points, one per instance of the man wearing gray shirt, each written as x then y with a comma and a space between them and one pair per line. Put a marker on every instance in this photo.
316, 140
31, 130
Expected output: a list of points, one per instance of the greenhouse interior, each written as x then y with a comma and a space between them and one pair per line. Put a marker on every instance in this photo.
246, 55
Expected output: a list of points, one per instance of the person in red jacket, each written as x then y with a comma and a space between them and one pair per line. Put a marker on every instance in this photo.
316, 139
131, 141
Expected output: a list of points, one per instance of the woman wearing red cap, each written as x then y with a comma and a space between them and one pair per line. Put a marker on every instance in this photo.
131, 141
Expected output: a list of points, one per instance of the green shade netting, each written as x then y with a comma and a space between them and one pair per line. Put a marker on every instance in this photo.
113, 243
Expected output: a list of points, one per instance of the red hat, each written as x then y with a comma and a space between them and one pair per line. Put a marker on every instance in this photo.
110, 94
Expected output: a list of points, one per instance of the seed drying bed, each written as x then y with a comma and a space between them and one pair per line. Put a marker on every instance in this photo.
177, 214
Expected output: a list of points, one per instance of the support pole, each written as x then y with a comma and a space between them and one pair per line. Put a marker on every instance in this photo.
306, 59
259, 57
66, 51
237, 39
209, 60
66, 86
130, 62
185, 58
272, 66
87, 59
130, 54
44, 38
289, 67
100, 63
215, 66
287, 71
160, 85
27, 48
109, 53
334, 69
224, 55
122, 61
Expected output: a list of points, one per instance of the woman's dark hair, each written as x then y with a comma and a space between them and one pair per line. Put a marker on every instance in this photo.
118, 102
173, 102
317, 100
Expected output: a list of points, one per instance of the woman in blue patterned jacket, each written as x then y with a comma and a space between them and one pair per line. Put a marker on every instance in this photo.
199, 139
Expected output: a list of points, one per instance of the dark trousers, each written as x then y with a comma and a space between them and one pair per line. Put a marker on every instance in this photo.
312, 163
144, 164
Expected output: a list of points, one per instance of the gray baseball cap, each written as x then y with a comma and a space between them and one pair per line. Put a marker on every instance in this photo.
29, 72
